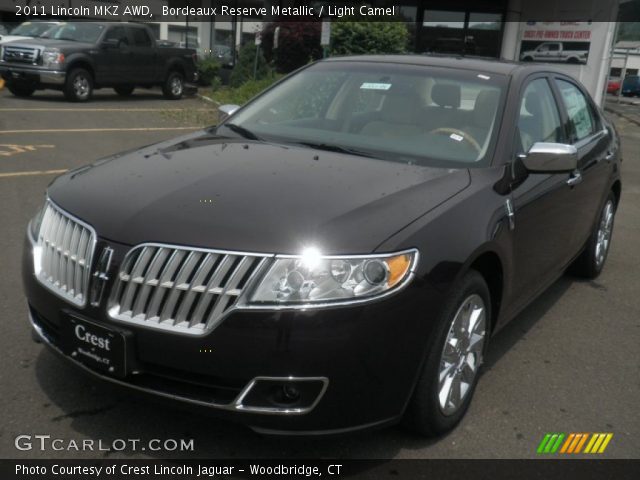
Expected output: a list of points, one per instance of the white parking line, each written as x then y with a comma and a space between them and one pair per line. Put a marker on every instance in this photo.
97, 130
32, 173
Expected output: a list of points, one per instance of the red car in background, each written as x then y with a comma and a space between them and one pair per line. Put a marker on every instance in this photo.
613, 86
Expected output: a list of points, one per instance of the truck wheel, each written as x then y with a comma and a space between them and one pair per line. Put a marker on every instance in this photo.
79, 85
21, 89
124, 90
174, 86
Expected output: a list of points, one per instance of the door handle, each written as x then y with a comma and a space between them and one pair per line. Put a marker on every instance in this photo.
574, 179
609, 156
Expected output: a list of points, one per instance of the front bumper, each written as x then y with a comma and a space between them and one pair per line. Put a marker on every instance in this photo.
366, 356
34, 75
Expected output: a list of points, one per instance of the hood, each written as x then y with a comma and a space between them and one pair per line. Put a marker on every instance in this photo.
214, 192
48, 43
10, 38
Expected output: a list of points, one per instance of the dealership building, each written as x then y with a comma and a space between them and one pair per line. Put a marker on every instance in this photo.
576, 35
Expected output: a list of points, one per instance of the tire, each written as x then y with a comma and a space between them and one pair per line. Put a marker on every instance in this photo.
124, 90
21, 89
426, 414
591, 261
173, 87
79, 85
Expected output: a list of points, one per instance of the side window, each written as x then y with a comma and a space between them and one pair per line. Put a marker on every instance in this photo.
119, 34
581, 121
539, 120
141, 38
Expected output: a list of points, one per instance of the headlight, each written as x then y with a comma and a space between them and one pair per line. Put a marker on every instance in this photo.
52, 58
311, 279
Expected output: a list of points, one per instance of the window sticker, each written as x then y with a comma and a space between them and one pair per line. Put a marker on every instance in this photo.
375, 86
456, 137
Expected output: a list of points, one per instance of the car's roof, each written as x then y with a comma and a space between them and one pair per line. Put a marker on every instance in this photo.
494, 66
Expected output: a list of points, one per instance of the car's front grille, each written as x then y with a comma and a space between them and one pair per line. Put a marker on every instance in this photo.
62, 254
180, 289
18, 54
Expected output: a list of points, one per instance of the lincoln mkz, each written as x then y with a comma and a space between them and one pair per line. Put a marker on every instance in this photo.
336, 254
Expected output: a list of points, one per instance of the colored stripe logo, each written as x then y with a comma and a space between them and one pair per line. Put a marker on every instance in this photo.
572, 443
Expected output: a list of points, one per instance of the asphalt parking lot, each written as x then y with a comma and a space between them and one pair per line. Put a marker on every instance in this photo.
569, 363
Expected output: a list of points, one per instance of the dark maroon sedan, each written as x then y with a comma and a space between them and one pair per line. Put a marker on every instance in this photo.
337, 253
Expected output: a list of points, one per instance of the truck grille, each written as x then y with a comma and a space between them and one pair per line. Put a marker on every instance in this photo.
178, 289
18, 54
62, 254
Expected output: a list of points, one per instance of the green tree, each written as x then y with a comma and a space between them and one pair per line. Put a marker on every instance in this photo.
244, 69
350, 37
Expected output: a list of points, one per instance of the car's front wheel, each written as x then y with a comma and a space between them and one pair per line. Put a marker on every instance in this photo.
591, 262
79, 85
450, 373
21, 89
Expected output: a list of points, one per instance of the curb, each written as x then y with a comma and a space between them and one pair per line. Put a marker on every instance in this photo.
629, 118
207, 99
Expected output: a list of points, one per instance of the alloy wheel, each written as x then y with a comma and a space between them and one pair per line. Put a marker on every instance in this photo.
605, 229
81, 86
176, 86
462, 354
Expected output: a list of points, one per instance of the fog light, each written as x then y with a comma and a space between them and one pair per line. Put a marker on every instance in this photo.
290, 393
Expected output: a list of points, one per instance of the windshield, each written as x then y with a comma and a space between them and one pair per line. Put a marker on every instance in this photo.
31, 29
76, 31
414, 114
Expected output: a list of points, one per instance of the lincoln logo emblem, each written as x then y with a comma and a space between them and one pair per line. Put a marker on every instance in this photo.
101, 276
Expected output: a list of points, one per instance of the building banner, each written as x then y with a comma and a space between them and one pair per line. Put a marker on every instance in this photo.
556, 42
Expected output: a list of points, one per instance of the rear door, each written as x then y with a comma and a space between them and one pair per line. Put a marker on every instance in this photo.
544, 204
595, 151
145, 55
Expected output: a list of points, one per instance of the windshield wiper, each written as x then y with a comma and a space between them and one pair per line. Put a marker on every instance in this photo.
337, 148
246, 133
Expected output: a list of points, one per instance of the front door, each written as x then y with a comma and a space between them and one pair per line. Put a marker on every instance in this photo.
544, 204
595, 153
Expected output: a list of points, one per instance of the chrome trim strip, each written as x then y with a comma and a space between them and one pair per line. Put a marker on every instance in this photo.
276, 410
235, 405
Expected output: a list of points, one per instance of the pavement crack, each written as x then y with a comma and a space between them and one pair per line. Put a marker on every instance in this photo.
85, 413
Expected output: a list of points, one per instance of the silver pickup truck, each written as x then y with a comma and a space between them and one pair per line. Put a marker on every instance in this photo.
554, 52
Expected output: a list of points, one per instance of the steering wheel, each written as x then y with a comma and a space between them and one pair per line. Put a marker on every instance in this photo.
454, 131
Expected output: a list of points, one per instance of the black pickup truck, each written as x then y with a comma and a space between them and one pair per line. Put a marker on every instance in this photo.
78, 57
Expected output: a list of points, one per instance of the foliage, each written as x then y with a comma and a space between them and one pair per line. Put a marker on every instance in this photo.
208, 69
242, 94
244, 69
629, 31
349, 37
298, 44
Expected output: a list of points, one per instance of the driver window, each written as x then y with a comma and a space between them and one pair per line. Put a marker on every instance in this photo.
539, 120
119, 34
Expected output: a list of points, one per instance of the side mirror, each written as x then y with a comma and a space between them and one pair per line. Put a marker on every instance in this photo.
551, 158
111, 43
225, 111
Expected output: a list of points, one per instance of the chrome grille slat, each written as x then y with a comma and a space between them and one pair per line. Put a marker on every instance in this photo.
65, 246
20, 54
179, 289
